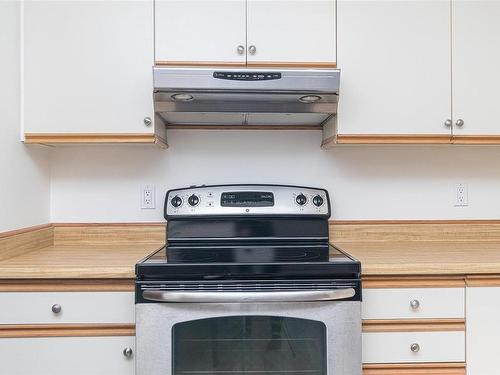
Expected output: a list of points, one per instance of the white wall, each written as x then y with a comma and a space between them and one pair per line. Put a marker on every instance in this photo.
24, 171
98, 184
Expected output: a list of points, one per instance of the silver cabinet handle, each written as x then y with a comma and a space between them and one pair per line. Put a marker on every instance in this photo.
414, 304
148, 121
240, 49
459, 123
56, 308
414, 347
248, 297
127, 352
252, 49
448, 123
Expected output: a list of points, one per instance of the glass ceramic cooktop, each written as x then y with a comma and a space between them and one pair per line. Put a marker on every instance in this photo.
249, 254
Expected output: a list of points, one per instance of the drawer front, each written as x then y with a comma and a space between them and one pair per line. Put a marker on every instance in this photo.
67, 356
397, 303
75, 307
396, 347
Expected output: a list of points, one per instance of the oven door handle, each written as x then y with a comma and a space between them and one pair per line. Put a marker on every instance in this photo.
248, 297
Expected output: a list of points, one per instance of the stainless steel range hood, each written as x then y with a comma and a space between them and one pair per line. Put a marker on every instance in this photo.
195, 97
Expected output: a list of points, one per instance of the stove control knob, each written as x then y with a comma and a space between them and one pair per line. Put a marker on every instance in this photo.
176, 201
317, 200
193, 200
301, 199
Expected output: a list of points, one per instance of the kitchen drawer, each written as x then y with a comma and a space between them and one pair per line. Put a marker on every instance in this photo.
67, 356
396, 303
76, 307
395, 347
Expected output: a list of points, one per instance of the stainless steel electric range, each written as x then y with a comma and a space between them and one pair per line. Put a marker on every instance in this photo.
248, 284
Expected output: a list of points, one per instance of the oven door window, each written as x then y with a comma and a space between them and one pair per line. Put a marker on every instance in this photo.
249, 345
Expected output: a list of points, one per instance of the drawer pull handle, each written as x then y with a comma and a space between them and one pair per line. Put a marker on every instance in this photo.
414, 304
414, 348
56, 308
127, 352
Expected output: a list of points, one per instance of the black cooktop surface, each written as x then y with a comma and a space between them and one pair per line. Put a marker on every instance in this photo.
248, 254
245, 261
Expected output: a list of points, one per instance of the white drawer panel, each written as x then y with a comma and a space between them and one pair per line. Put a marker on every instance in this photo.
395, 303
394, 347
76, 307
66, 356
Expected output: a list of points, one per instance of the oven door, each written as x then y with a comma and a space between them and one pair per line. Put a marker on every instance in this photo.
300, 333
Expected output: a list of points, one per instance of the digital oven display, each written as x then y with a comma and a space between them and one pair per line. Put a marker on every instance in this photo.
247, 199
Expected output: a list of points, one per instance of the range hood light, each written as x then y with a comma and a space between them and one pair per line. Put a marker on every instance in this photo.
310, 98
182, 97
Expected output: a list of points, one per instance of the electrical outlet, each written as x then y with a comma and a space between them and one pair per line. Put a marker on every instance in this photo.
148, 197
461, 195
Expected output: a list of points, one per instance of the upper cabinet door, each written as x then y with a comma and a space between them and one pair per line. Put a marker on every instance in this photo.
301, 32
88, 69
476, 78
396, 71
200, 31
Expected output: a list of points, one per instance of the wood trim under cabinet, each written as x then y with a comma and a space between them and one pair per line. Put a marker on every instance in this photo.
79, 138
413, 325
390, 282
482, 280
389, 139
414, 368
65, 330
297, 64
67, 285
476, 139
250, 64
214, 64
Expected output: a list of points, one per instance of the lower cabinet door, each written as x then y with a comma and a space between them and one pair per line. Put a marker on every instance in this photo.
483, 330
67, 356
405, 347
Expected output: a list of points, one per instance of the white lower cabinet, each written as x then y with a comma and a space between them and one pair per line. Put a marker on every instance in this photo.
483, 330
414, 303
67, 307
66, 356
396, 347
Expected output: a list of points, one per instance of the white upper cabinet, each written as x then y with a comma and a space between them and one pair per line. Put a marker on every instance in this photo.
476, 61
240, 32
87, 69
396, 73
291, 31
198, 31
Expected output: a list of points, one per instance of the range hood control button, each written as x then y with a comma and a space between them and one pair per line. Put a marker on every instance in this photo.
176, 201
193, 200
317, 200
301, 199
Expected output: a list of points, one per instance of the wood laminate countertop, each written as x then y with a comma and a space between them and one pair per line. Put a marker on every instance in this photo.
377, 259
110, 251
425, 257
77, 262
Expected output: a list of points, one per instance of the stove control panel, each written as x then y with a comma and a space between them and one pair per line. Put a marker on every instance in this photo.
231, 200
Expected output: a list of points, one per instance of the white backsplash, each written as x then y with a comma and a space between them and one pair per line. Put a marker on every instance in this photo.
102, 183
